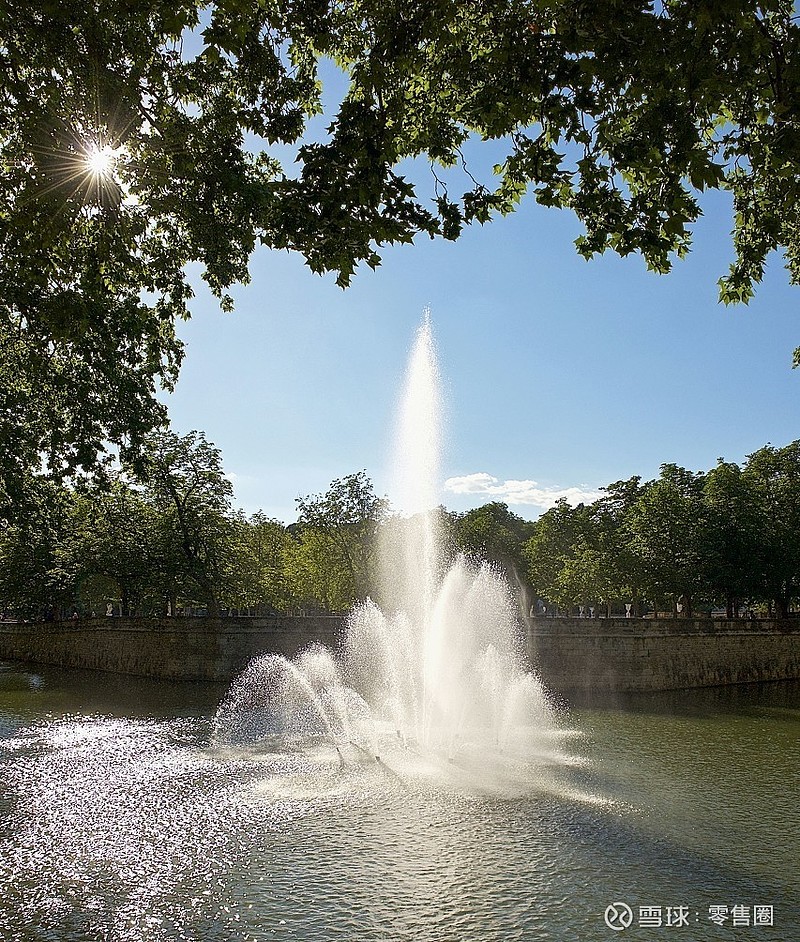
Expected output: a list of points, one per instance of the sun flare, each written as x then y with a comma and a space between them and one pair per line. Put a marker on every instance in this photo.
100, 160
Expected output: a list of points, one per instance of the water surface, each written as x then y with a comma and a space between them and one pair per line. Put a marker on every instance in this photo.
121, 819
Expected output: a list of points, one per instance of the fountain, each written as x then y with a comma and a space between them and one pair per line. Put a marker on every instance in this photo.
438, 670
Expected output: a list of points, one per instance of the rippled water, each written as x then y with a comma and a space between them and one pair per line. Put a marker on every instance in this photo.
121, 820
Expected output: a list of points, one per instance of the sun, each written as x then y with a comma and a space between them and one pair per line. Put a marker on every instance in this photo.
100, 160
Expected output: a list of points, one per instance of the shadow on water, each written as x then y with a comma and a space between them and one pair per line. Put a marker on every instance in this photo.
27, 690
666, 873
776, 697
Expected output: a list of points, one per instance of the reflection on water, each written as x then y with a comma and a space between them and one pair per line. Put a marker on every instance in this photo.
120, 820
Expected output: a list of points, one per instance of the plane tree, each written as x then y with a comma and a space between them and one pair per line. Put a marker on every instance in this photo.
552, 555
734, 557
37, 578
258, 576
584, 556
773, 475
494, 533
333, 560
184, 482
622, 563
112, 545
669, 532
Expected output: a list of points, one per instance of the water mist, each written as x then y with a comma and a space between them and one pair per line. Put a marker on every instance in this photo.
439, 668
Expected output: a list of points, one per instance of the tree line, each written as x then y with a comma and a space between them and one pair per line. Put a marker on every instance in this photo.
686, 540
162, 537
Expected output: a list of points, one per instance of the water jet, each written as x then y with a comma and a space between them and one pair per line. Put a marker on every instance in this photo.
440, 663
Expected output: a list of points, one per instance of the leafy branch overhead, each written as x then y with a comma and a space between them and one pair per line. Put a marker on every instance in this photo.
619, 110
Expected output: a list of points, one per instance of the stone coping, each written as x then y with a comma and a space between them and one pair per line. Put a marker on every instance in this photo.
179, 624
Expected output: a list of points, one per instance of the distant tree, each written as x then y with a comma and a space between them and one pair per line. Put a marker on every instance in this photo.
734, 556
622, 565
584, 578
259, 577
774, 476
319, 576
346, 519
576, 554
495, 534
336, 551
36, 578
112, 543
184, 480
551, 550
669, 533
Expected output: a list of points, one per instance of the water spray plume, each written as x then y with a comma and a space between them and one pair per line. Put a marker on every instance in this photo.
440, 666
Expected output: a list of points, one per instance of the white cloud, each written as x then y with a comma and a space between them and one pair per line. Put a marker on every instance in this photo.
518, 492
470, 483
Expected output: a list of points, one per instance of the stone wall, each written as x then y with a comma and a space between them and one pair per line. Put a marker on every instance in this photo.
643, 654
200, 648
571, 654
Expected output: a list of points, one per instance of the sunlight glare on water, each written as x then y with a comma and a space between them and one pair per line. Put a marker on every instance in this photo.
138, 828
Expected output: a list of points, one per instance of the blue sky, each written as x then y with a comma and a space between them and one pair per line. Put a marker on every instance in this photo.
559, 373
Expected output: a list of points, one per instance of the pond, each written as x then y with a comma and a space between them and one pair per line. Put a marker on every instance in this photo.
669, 816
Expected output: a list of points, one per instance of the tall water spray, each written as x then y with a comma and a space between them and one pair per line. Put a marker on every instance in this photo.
440, 665
409, 558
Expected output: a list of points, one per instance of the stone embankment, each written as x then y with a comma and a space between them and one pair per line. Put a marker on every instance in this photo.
572, 655
198, 648
638, 654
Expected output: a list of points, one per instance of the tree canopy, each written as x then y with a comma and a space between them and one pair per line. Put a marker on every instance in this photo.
333, 558
138, 138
